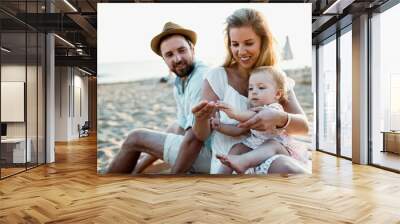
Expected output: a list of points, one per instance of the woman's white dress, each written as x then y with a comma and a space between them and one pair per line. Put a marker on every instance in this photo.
220, 143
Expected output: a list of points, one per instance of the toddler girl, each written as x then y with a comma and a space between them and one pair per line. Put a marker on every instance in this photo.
267, 87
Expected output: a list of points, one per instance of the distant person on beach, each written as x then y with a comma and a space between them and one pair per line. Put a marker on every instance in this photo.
181, 149
249, 44
169, 79
267, 87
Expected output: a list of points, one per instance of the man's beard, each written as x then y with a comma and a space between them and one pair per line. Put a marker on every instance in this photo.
184, 72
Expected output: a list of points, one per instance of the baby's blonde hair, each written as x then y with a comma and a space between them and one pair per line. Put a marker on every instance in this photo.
277, 75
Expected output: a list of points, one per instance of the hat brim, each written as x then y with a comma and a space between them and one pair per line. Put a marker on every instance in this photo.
155, 42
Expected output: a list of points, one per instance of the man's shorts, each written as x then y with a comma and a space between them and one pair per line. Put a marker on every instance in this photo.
171, 149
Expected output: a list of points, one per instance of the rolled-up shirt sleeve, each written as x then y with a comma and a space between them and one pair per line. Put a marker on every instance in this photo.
180, 116
195, 97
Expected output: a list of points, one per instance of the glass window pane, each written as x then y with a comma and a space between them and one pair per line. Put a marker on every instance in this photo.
23, 85
327, 97
14, 150
346, 94
386, 89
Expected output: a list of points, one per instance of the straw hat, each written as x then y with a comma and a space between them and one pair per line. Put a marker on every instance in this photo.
171, 28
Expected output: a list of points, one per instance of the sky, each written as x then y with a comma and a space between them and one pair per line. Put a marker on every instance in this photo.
125, 29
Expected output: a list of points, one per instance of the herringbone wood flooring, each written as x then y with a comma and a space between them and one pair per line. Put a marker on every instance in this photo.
70, 191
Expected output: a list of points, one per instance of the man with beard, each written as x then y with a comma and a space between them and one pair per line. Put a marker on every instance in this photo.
180, 149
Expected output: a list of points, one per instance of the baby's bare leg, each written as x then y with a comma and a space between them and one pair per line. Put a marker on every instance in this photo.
239, 149
241, 163
264, 152
231, 161
286, 165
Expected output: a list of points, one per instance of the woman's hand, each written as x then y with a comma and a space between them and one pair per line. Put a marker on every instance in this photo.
266, 119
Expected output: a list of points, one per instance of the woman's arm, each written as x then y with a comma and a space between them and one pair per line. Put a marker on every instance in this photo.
204, 111
269, 119
298, 120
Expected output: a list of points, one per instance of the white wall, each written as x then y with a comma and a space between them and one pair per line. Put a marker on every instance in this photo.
61, 103
15, 73
80, 110
70, 83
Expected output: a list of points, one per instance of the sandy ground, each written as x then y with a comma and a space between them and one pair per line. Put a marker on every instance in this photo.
147, 104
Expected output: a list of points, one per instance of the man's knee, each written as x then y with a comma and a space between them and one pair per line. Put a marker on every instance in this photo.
134, 138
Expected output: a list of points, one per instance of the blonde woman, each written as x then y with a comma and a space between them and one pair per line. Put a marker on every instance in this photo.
249, 44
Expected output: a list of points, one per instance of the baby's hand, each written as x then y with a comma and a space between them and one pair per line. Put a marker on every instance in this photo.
215, 123
228, 109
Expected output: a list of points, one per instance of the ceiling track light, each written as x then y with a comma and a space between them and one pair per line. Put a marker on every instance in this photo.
337, 7
5, 50
64, 40
70, 5
84, 71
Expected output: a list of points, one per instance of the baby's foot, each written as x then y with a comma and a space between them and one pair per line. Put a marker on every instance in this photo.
223, 169
234, 162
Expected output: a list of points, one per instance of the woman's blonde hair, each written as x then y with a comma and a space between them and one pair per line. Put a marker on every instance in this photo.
254, 19
277, 75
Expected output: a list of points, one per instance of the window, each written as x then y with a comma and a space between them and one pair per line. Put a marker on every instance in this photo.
22, 65
327, 96
346, 94
385, 89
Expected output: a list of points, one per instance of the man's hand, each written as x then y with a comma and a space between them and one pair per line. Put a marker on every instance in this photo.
203, 110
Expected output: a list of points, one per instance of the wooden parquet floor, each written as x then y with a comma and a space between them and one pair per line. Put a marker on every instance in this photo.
70, 191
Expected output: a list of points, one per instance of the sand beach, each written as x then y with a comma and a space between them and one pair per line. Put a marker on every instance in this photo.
123, 107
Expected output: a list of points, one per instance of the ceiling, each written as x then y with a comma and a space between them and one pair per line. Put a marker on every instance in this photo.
76, 21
